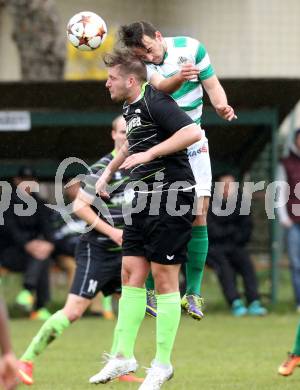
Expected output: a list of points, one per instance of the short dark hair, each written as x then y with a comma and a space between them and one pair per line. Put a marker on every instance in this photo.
128, 63
131, 35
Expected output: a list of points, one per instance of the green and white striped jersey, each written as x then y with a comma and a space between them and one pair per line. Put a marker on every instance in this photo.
181, 50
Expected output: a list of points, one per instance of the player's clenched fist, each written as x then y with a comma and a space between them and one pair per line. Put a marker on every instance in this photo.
226, 112
189, 71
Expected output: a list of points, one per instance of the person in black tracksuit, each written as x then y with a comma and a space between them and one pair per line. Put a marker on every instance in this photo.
26, 243
228, 254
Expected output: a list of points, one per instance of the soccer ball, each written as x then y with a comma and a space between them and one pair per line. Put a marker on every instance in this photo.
86, 31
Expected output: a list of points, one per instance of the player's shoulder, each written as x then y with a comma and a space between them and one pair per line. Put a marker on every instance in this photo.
179, 42
102, 162
156, 100
153, 94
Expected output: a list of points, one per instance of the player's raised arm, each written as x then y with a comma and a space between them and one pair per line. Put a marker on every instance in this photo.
169, 85
218, 98
179, 128
180, 140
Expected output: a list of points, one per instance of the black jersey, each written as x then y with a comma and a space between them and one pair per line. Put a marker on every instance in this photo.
113, 203
153, 118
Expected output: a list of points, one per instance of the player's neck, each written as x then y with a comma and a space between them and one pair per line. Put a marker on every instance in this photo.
135, 95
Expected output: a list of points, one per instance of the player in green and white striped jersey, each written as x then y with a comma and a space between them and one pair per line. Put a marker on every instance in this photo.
181, 66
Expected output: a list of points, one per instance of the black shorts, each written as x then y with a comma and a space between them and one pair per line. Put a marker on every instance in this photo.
161, 238
96, 270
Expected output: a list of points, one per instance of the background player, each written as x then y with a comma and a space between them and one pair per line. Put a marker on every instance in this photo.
98, 256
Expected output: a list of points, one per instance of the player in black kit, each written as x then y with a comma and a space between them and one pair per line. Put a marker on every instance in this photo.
98, 254
156, 236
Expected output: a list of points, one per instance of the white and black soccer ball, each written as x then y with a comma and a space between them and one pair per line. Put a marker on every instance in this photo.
86, 31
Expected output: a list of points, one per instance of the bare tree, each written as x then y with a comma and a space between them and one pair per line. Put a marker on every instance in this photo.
38, 38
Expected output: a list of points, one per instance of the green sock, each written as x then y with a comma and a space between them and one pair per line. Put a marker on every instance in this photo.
167, 322
132, 306
51, 329
197, 252
150, 282
296, 349
114, 347
107, 303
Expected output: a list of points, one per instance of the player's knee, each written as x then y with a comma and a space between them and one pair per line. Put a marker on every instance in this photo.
200, 220
164, 284
133, 276
73, 313
202, 210
125, 276
163, 288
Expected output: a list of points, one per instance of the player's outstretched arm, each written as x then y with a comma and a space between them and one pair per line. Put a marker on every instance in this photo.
169, 85
180, 140
218, 98
112, 167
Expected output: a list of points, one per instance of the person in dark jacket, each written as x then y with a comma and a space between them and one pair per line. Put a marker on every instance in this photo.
228, 256
26, 243
289, 218
289, 172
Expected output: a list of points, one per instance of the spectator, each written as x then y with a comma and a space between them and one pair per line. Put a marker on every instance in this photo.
289, 172
26, 243
228, 256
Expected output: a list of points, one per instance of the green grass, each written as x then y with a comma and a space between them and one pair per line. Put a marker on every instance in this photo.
220, 352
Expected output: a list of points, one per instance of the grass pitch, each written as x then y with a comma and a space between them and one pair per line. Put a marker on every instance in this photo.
221, 352
218, 353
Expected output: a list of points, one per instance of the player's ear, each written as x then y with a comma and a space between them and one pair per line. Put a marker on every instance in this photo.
158, 36
130, 81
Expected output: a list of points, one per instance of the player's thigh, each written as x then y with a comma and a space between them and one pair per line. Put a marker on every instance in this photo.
133, 239
166, 277
135, 267
109, 273
168, 234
